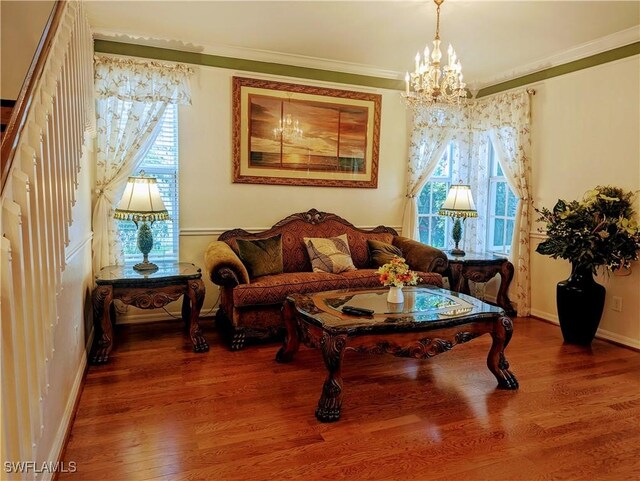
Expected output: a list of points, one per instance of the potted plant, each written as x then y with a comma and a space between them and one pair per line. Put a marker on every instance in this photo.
599, 230
396, 274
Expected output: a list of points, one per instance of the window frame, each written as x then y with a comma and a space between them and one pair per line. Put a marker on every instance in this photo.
504, 250
448, 180
157, 171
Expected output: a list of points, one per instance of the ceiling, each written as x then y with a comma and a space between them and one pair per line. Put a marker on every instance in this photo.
495, 40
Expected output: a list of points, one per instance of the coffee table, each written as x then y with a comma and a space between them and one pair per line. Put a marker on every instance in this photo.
429, 322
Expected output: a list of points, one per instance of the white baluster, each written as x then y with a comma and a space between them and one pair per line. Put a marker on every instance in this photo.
11, 225
32, 324
30, 158
14, 414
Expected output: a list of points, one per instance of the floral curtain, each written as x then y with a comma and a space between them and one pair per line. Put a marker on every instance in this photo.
131, 96
506, 118
433, 128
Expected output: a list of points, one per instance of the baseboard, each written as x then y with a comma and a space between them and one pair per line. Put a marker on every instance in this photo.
66, 423
600, 334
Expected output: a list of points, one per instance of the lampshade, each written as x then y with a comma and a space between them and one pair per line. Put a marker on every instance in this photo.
141, 201
459, 202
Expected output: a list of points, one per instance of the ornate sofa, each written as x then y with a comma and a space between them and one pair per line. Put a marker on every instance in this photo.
250, 308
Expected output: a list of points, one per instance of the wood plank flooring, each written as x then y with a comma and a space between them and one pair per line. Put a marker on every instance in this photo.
158, 411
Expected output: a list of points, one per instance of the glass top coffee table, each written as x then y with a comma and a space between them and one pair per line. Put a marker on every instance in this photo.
429, 321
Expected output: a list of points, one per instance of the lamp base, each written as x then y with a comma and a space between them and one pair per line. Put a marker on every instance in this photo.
458, 252
145, 244
145, 266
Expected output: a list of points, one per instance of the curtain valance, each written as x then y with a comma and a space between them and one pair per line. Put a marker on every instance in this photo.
510, 109
142, 81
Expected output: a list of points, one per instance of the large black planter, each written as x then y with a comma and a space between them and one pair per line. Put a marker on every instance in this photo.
580, 302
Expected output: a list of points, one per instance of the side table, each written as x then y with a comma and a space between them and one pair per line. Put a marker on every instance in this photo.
149, 290
481, 267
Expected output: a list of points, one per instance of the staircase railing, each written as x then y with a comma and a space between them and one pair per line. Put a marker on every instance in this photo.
48, 134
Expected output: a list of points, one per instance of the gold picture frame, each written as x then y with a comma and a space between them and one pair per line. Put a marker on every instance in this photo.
290, 134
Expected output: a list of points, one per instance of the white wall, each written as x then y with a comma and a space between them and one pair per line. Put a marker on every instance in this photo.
586, 131
22, 26
211, 203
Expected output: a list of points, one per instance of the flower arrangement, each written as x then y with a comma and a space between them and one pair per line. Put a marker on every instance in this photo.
397, 273
599, 230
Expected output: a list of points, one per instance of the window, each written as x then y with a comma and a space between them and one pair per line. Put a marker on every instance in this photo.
434, 229
502, 207
160, 162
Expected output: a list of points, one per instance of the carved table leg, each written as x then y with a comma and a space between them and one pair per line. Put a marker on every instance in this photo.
186, 311
330, 402
195, 292
291, 342
497, 363
502, 298
102, 301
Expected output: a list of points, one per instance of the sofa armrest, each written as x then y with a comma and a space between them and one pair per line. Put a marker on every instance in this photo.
223, 265
421, 257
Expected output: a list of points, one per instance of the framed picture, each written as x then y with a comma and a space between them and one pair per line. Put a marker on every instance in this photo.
291, 134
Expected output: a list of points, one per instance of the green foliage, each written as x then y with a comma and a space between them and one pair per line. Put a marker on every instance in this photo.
599, 230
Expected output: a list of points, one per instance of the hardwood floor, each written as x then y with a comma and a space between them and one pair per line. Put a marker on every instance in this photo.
158, 411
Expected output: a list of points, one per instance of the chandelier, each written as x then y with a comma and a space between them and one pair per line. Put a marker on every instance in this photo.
432, 83
288, 129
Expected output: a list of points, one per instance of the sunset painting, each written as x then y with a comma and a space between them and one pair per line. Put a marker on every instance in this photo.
332, 138
293, 134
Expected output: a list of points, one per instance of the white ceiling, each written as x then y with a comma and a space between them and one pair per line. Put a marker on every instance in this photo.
495, 40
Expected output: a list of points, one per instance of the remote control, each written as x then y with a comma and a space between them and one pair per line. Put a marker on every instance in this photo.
357, 311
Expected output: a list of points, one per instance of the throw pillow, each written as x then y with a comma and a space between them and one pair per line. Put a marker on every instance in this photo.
329, 254
380, 252
262, 257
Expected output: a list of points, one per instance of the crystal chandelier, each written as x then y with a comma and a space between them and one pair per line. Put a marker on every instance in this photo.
432, 83
288, 129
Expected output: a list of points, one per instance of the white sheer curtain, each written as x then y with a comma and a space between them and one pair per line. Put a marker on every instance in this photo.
131, 97
506, 118
432, 130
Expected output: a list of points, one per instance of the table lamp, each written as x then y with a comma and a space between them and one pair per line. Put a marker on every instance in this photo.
141, 202
459, 204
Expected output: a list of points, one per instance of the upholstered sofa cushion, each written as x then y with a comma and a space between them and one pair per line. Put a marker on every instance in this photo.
274, 289
329, 254
380, 252
261, 257
294, 252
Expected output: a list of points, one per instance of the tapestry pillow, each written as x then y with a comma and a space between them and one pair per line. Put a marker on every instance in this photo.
261, 257
380, 252
329, 254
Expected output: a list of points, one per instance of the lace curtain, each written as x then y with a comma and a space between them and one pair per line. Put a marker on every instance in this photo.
433, 128
506, 118
131, 97
503, 119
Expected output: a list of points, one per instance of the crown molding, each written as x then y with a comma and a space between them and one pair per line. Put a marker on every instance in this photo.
594, 47
256, 55
606, 49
